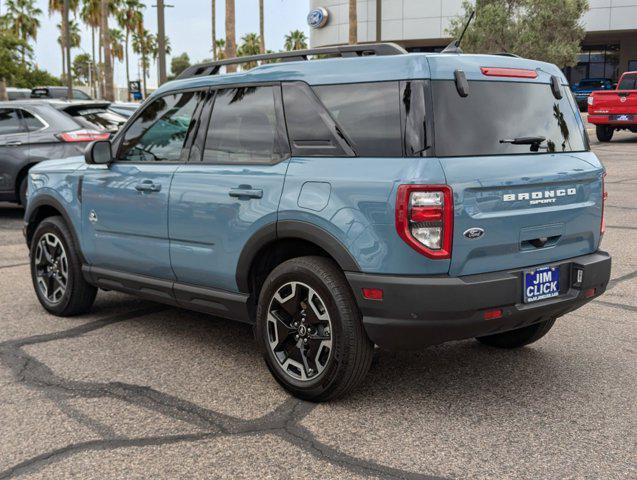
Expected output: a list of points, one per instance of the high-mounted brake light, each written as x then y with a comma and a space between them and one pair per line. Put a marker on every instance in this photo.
508, 72
424, 218
83, 136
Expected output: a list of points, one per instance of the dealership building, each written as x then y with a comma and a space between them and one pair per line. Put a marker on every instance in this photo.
608, 50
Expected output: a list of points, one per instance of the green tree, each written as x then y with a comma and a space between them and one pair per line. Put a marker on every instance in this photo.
117, 45
250, 45
10, 47
57, 6
131, 19
540, 29
295, 40
144, 44
22, 16
220, 49
90, 15
76, 39
179, 63
82, 68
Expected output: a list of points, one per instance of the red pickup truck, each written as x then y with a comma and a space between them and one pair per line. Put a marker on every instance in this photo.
612, 110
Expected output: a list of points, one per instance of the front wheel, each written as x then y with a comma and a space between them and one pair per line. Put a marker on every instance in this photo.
311, 331
519, 337
604, 133
56, 270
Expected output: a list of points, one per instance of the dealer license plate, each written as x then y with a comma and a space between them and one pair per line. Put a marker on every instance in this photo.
541, 283
622, 118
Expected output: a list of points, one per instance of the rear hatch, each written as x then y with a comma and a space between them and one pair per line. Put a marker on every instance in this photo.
527, 190
615, 102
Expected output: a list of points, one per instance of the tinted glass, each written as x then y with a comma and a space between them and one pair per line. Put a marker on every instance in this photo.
80, 95
499, 111
31, 122
629, 82
160, 132
311, 130
58, 93
413, 103
10, 122
243, 127
369, 114
99, 119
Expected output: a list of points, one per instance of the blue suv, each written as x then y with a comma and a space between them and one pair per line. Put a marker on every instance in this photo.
370, 197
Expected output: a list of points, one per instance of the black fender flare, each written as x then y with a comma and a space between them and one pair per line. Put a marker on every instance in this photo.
45, 200
291, 229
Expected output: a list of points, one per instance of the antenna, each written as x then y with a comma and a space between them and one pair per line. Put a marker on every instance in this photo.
454, 46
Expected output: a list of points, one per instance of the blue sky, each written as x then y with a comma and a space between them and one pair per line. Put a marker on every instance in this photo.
188, 25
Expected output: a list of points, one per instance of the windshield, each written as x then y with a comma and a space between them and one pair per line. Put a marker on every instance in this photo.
629, 82
495, 114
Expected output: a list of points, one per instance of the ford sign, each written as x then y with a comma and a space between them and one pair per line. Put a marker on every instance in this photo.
318, 17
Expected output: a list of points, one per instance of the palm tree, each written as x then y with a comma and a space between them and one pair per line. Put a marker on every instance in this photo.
295, 40
231, 36
251, 45
144, 44
117, 44
76, 39
214, 30
261, 28
57, 6
109, 87
23, 21
131, 19
220, 49
90, 15
353, 23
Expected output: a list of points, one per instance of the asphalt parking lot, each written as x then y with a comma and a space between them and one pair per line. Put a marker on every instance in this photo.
139, 390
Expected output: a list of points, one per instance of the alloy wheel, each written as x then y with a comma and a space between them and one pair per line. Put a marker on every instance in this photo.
51, 268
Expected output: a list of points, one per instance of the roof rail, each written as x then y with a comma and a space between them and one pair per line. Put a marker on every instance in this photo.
362, 50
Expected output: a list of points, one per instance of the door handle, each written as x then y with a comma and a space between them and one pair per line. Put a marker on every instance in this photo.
15, 143
245, 192
148, 186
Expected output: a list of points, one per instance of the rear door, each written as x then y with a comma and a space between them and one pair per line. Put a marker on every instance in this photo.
231, 187
125, 204
14, 149
516, 203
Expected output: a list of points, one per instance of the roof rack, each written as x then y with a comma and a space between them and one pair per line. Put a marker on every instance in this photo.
377, 49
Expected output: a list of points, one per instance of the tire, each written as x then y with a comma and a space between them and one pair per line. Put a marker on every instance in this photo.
335, 350
519, 337
73, 296
604, 133
22, 191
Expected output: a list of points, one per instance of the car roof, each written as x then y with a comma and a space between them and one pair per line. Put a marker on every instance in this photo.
436, 66
58, 104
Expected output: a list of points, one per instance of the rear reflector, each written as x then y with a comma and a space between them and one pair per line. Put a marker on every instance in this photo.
83, 136
493, 314
589, 293
372, 293
508, 72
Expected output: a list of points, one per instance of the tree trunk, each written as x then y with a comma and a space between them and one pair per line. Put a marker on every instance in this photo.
63, 60
144, 74
231, 39
109, 90
94, 66
3, 90
127, 67
214, 30
353, 23
261, 27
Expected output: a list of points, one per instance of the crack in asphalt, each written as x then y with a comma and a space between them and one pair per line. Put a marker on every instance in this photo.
616, 281
284, 421
621, 306
12, 265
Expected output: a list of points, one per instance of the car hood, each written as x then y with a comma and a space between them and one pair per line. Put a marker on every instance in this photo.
60, 165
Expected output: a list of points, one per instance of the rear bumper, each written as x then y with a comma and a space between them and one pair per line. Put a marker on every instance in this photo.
605, 120
420, 311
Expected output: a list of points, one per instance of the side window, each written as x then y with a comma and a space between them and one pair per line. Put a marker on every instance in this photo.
243, 127
311, 129
414, 116
31, 122
10, 122
369, 113
629, 82
159, 133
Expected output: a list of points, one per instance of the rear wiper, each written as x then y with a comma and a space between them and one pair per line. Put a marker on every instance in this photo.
535, 142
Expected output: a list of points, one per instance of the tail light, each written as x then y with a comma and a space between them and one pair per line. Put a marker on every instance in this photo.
590, 100
602, 228
424, 218
83, 136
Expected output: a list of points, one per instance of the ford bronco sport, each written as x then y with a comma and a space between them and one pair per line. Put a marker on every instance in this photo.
373, 198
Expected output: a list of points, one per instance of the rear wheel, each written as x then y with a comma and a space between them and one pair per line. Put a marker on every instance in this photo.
604, 133
519, 337
56, 270
310, 329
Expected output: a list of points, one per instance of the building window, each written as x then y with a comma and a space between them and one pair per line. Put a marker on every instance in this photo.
595, 61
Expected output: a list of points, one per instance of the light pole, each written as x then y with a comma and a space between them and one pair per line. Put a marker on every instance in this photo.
161, 40
379, 20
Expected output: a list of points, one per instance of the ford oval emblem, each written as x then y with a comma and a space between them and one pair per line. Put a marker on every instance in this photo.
318, 17
474, 233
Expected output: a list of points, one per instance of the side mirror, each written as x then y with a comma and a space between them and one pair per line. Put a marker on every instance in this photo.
98, 153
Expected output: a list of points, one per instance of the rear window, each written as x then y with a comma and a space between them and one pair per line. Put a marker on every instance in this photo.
369, 113
494, 113
98, 119
629, 82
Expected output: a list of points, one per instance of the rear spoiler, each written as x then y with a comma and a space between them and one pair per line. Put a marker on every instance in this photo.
79, 105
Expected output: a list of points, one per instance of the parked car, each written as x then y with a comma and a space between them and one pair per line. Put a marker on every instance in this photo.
124, 109
60, 93
316, 201
583, 89
614, 110
36, 130
18, 93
